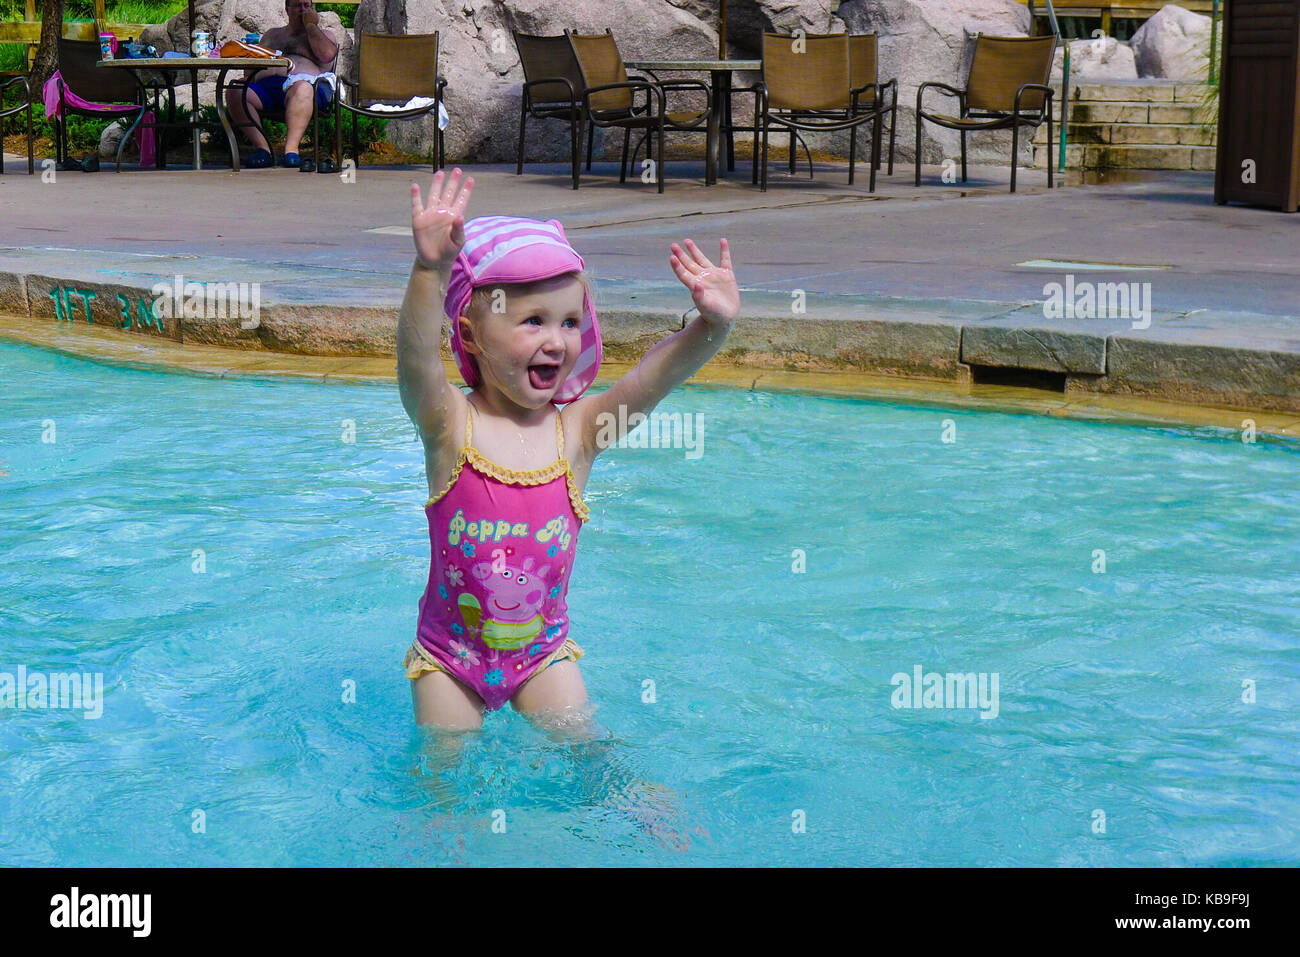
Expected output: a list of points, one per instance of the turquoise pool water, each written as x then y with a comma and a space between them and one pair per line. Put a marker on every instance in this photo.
225, 740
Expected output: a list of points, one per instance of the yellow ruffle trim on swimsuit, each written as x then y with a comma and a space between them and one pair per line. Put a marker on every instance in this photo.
485, 466
418, 661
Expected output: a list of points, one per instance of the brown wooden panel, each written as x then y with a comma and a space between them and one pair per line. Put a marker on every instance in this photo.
1259, 109
20, 32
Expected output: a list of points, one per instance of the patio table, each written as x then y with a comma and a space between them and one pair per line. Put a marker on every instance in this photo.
720, 73
192, 65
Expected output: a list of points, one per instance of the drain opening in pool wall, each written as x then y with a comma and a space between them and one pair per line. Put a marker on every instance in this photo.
1022, 378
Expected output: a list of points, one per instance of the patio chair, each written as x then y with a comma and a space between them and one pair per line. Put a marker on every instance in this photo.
1007, 87
552, 90
392, 69
869, 96
103, 93
608, 100
279, 116
25, 104
864, 77
807, 85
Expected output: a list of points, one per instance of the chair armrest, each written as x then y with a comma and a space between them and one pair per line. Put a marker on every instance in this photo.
858, 91
629, 85
25, 104
892, 86
950, 90
573, 94
632, 85
942, 86
1047, 100
684, 84
690, 85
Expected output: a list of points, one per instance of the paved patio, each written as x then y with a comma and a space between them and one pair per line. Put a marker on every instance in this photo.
946, 282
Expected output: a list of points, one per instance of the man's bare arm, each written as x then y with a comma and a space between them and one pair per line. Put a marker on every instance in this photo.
322, 46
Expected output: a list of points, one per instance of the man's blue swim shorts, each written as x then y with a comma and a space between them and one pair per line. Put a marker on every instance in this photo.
270, 90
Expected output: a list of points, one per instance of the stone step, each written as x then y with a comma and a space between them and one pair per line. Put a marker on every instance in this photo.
1120, 112
1138, 91
1134, 134
1088, 156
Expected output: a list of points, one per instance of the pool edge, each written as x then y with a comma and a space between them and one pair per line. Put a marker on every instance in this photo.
159, 354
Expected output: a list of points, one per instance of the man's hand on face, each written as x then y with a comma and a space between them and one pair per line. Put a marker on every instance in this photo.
306, 11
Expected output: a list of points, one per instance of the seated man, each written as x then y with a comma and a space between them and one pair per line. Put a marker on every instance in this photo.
312, 51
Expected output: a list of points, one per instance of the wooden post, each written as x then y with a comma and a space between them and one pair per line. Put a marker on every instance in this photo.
31, 47
722, 30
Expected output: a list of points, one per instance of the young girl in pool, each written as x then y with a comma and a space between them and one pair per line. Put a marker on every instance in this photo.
506, 467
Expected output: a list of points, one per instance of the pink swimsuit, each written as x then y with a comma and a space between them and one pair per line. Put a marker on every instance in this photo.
502, 544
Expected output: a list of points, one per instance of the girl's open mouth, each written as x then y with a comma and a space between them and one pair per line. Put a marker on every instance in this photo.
543, 376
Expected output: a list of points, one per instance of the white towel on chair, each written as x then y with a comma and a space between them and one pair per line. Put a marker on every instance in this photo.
414, 103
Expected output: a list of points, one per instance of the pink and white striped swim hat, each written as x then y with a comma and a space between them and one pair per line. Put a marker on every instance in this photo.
509, 249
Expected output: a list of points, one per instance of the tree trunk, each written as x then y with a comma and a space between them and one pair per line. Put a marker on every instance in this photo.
47, 54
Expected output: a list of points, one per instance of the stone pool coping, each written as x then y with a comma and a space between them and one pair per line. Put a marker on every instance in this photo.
154, 352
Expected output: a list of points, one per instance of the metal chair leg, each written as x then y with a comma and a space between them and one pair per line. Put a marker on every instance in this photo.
660, 146
893, 117
1050, 160
519, 165
356, 142
918, 145
876, 130
575, 139
853, 152
338, 126
1015, 154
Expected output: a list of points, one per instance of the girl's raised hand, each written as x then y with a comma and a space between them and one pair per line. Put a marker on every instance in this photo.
439, 227
712, 287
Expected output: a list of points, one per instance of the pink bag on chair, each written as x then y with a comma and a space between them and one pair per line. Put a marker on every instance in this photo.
145, 135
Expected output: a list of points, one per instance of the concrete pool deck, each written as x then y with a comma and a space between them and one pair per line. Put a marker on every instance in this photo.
934, 294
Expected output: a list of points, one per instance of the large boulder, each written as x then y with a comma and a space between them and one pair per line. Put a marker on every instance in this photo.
924, 40
1097, 60
1174, 44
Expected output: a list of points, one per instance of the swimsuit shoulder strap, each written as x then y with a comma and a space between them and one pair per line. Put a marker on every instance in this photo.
559, 435
469, 426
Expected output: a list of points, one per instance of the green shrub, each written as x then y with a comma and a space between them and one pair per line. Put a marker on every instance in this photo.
13, 58
84, 132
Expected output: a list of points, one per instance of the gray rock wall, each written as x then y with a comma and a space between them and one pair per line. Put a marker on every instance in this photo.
920, 40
